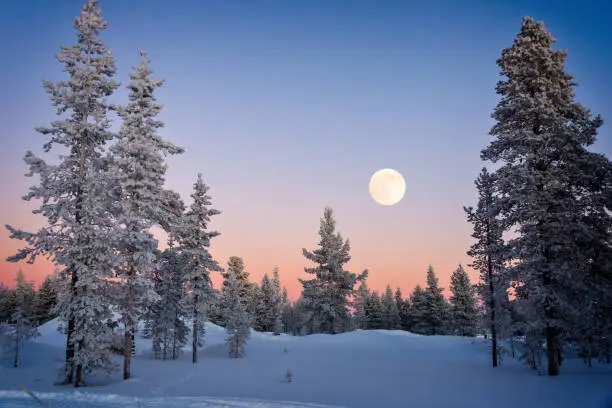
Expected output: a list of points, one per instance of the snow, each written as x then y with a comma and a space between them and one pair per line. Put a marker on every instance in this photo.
364, 368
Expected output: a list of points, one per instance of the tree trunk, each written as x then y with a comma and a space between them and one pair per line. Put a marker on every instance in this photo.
194, 356
494, 356
551, 349
78, 378
17, 335
69, 368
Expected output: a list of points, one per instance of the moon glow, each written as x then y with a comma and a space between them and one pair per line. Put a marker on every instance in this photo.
387, 187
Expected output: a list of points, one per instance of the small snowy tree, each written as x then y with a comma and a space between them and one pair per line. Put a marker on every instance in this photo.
417, 316
286, 312
390, 311
166, 318
464, 315
360, 304
326, 295
403, 308
373, 312
22, 325
434, 305
46, 300
235, 315
277, 304
268, 309
193, 242
250, 290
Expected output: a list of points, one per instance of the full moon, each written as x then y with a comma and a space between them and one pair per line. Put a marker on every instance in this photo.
387, 187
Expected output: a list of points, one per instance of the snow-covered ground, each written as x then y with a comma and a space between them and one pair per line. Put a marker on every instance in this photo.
374, 369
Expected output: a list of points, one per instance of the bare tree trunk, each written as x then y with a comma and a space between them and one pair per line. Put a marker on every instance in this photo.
69, 367
78, 378
494, 356
195, 329
551, 349
129, 327
17, 335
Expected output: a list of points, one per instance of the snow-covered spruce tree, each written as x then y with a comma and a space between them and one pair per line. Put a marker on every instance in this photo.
464, 315
193, 238
235, 315
403, 309
7, 304
22, 324
277, 305
249, 289
549, 182
45, 301
326, 295
70, 193
373, 311
390, 311
137, 169
259, 311
267, 318
165, 319
488, 253
417, 310
360, 303
433, 305
286, 312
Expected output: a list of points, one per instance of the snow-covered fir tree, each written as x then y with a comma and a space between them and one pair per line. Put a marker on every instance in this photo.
22, 325
434, 306
45, 301
137, 170
193, 238
417, 310
286, 311
464, 315
268, 311
249, 289
373, 311
277, 304
360, 303
7, 304
165, 320
235, 315
550, 184
72, 194
390, 311
488, 255
403, 309
326, 296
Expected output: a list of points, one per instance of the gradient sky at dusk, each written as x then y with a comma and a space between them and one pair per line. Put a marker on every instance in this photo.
287, 107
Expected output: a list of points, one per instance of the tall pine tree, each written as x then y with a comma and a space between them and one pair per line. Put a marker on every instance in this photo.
137, 171
549, 182
71, 193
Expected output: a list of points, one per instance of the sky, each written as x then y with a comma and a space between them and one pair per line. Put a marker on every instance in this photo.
288, 107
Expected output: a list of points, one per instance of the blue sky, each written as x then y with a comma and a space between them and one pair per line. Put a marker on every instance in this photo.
286, 107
